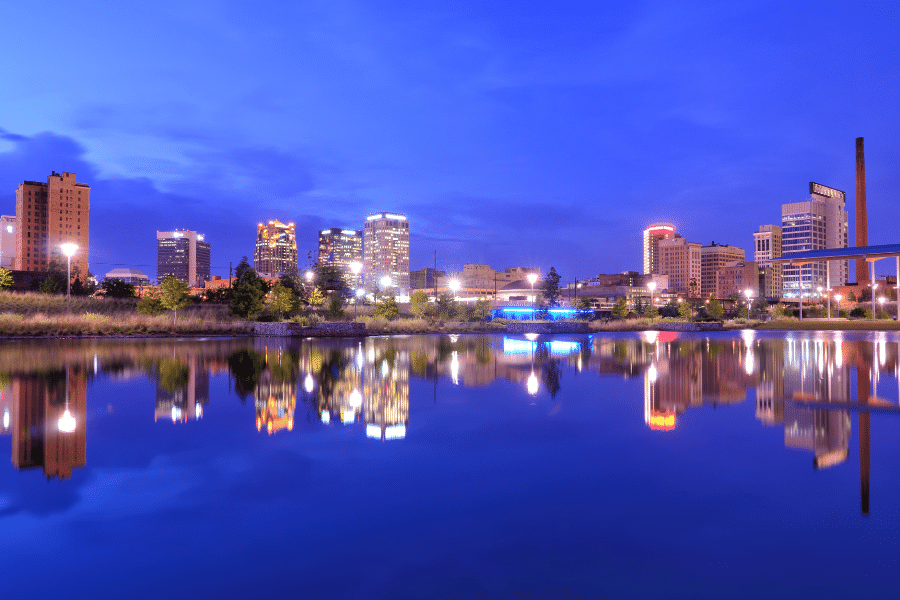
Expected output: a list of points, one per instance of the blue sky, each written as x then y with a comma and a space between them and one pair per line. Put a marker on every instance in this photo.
511, 133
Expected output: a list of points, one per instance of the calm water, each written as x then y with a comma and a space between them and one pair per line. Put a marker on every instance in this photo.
629, 466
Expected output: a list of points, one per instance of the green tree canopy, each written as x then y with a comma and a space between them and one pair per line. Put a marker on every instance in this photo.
387, 307
550, 288
715, 309
248, 292
175, 295
419, 303
6, 279
150, 305
117, 288
482, 309
316, 297
283, 300
620, 308
685, 311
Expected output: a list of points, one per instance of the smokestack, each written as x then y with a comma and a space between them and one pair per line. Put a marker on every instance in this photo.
862, 227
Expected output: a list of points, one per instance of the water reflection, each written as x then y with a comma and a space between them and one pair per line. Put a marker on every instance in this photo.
801, 383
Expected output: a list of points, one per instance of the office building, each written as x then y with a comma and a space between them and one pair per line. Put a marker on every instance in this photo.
184, 254
425, 278
7, 241
130, 276
651, 238
48, 215
766, 246
482, 280
680, 260
814, 224
712, 258
276, 249
339, 248
737, 278
386, 245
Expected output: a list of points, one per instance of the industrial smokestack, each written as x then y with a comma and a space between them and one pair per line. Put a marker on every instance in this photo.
862, 227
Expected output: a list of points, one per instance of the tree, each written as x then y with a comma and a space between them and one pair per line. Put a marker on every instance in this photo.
335, 308
282, 299
387, 307
684, 310
150, 305
419, 303
715, 310
316, 298
551, 288
482, 309
331, 279
249, 292
117, 288
446, 305
220, 295
175, 295
620, 308
6, 279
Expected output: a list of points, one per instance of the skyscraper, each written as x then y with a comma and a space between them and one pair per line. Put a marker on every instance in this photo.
712, 258
184, 254
680, 260
340, 247
651, 237
766, 246
386, 243
814, 224
50, 214
276, 249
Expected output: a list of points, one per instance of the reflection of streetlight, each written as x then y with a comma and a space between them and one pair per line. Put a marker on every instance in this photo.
67, 422
749, 293
355, 399
532, 277
308, 383
532, 385
652, 287
69, 249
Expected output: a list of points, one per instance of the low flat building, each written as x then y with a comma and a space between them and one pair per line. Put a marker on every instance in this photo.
130, 276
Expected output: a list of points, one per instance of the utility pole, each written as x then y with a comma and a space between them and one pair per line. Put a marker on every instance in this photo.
434, 275
229, 275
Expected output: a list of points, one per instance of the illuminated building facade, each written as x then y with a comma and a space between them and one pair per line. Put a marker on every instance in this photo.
712, 258
7, 241
340, 247
651, 238
50, 214
766, 246
184, 254
182, 390
386, 243
276, 249
386, 391
680, 260
737, 278
814, 224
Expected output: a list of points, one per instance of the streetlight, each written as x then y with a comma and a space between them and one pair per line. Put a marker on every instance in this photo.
454, 286
837, 298
69, 249
651, 286
874, 287
749, 293
359, 295
881, 301
356, 267
532, 277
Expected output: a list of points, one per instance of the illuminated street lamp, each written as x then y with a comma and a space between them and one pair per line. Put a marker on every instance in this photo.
881, 301
356, 267
69, 249
874, 287
454, 286
837, 298
532, 277
652, 287
386, 282
749, 293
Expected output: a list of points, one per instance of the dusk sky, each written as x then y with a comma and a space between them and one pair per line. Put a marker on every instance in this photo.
510, 133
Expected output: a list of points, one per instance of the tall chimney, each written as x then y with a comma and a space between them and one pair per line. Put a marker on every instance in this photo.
862, 227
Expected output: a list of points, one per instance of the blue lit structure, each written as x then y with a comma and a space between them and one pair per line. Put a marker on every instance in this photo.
521, 313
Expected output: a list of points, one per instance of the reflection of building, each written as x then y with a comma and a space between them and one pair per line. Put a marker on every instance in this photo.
339, 248
814, 224
184, 254
275, 402
386, 390
182, 390
387, 251
48, 421
276, 249
50, 214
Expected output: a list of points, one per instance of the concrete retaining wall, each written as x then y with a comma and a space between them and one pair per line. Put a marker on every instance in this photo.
320, 330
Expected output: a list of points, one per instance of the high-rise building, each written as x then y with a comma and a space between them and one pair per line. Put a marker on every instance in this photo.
712, 258
184, 254
386, 241
814, 224
7, 241
48, 215
339, 248
766, 246
680, 260
737, 278
276, 249
651, 238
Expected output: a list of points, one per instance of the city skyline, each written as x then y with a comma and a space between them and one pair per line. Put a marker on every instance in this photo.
514, 139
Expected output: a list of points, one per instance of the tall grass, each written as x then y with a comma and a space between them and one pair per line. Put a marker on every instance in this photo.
377, 325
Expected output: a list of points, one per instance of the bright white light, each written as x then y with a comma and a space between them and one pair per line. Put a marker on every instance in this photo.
531, 336
384, 368
749, 293
454, 284
386, 281
652, 373
348, 416
532, 385
309, 275
395, 432
532, 277
348, 231
454, 368
650, 336
69, 249
9, 229
326, 417
651, 286
308, 383
355, 399
6, 419
356, 267
198, 411
373, 431
66, 422
360, 293
882, 300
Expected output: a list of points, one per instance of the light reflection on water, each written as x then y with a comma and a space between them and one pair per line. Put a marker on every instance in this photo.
818, 389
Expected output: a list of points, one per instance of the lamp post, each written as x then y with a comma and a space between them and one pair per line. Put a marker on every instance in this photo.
749, 293
881, 301
651, 286
359, 294
837, 298
874, 287
355, 268
69, 249
532, 277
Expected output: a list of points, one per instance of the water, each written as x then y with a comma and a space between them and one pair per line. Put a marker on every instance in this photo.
629, 466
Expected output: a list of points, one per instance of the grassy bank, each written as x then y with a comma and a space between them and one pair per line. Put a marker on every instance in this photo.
810, 325
410, 326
